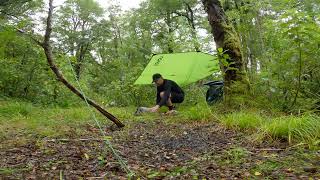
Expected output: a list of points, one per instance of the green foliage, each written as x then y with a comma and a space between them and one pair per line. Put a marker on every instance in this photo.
195, 106
267, 167
12, 171
25, 73
295, 129
280, 45
112, 52
117, 87
16, 8
242, 120
288, 128
236, 155
198, 112
22, 119
16, 109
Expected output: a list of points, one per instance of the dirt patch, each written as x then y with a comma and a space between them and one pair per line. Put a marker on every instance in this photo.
153, 150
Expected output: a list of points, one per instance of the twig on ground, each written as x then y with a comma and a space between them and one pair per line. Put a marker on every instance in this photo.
66, 140
269, 149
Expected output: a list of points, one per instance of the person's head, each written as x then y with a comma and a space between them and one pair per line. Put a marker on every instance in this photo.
157, 79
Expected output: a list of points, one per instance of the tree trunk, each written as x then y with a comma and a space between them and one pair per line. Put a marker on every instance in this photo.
170, 32
190, 18
189, 15
48, 51
30, 77
80, 56
227, 38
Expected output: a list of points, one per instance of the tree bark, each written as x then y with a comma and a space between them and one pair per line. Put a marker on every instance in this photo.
227, 38
82, 49
189, 15
48, 51
170, 31
193, 27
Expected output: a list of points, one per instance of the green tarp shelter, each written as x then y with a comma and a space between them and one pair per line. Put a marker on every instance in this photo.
183, 68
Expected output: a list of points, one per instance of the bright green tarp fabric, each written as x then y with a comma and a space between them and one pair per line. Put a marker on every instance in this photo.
183, 68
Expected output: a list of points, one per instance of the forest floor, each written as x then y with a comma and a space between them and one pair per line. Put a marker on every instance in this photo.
157, 149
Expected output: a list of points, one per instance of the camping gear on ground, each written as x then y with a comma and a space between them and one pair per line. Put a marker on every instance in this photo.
183, 68
215, 92
141, 110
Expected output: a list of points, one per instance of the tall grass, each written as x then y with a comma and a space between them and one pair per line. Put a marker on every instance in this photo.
294, 129
18, 119
9, 109
196, 112
242, 120
21, 119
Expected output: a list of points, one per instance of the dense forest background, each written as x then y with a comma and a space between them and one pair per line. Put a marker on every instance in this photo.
109, 48
267, 124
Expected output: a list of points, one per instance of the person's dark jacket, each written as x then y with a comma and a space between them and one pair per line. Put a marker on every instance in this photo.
167, 87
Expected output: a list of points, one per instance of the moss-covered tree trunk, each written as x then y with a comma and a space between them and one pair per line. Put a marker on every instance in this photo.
225, 37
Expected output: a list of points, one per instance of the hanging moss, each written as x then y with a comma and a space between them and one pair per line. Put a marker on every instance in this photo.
226, 37
231, 39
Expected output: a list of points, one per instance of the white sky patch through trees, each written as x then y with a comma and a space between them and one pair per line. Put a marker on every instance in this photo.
124, 4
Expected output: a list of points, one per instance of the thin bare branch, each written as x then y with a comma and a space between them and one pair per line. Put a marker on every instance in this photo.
48, 51
31, 37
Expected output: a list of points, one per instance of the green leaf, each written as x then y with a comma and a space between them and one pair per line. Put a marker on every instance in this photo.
107, 138
226, 56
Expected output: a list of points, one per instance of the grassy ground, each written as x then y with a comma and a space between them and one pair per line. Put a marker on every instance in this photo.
304, 129
197, 143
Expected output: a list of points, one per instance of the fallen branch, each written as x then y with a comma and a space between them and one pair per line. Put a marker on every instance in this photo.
31, 37
46, 45
269, 149
68, 140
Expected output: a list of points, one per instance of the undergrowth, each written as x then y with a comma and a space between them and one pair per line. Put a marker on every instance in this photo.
290, 128
22, 119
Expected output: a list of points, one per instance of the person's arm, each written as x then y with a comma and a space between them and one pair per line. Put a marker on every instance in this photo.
167, 91
156, 107
158, 97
